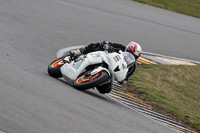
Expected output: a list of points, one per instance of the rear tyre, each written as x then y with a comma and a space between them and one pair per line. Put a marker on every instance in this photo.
54, 68
84, 82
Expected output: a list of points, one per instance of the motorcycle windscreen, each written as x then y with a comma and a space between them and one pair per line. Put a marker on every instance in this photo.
129, 58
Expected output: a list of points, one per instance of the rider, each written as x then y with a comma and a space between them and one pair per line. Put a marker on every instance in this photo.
133, 47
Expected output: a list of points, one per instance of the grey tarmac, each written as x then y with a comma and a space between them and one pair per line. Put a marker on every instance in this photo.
31, 33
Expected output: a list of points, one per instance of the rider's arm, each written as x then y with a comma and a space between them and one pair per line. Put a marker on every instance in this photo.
97, 47
111, 47
118, 46
100, 47
91, 48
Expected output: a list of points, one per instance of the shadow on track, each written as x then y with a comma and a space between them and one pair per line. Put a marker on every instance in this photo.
88, 91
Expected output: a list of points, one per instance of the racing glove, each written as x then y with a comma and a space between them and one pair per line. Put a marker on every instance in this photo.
106, 47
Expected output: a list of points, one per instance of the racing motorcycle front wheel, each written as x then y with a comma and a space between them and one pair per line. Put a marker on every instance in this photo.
54, 68
84, 82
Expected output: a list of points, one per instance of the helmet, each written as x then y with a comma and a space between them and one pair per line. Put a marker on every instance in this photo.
134, 48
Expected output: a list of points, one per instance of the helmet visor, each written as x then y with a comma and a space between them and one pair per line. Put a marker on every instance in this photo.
129, 58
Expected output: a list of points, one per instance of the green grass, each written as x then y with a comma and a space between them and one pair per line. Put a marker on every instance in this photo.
188, 7
175, 89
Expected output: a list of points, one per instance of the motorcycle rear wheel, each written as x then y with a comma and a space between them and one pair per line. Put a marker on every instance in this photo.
54, 68
84, 82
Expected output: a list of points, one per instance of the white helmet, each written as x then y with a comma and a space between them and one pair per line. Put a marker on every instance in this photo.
134, 48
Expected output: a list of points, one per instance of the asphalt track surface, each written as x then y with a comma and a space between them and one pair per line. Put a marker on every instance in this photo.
32, 31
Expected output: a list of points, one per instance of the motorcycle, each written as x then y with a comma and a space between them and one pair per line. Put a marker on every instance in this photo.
91, 70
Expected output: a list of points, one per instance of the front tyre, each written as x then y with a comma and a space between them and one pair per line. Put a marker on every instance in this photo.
85, 82
54, 68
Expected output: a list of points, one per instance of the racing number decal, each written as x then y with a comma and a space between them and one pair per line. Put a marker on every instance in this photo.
117, 58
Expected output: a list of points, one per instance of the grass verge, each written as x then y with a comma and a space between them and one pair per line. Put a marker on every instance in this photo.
173, 90
188, 7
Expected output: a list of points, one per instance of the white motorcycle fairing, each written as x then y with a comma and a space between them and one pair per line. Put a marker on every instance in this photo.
117, 66
96, 69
